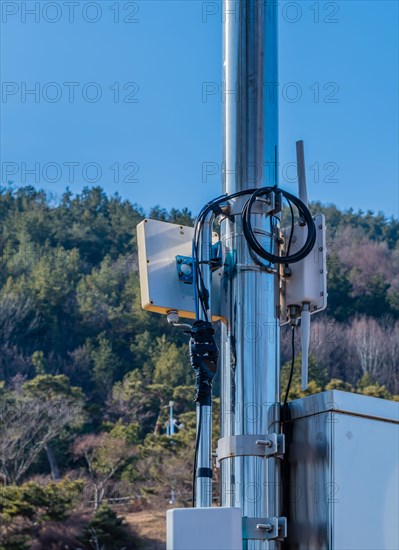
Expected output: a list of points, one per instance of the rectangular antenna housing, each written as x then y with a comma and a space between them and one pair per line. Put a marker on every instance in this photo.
161, 246
308, 280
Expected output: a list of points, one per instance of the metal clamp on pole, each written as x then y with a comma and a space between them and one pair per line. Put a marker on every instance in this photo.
251, 445
264, 528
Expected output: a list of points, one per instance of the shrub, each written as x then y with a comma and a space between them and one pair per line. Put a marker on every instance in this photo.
107, 531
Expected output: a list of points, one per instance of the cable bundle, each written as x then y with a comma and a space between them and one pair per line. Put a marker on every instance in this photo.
204, 356
201, 293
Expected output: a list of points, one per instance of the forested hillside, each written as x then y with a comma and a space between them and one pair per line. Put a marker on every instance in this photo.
86, 375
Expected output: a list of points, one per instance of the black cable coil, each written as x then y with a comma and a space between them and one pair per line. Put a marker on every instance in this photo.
204, 356
253, 241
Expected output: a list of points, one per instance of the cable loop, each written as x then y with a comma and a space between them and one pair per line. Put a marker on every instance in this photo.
257, 251
253, 242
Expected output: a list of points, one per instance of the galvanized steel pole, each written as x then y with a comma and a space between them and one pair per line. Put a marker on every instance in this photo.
250, 339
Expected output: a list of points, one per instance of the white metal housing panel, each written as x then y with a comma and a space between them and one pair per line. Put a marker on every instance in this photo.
308, 280
204, 529
161, 290
365, 494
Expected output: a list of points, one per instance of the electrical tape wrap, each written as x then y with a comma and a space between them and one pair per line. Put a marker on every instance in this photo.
204, 356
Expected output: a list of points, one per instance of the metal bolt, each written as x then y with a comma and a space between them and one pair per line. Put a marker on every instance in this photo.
321, 271
266, 443
266, 526
320, 227
321, 293
320, 248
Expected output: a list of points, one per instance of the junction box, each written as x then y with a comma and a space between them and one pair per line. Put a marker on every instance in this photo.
342, 473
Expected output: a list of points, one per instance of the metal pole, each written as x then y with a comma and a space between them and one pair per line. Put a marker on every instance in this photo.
250, 339
301, 171
171, 419
203, 489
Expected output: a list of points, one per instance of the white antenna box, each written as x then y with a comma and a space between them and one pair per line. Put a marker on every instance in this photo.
165, 255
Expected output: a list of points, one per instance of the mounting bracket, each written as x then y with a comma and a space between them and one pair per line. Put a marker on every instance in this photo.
270, 445
264, 528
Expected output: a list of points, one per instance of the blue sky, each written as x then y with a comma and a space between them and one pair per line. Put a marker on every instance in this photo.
118, 98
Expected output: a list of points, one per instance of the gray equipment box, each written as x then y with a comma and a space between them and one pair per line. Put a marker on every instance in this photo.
204, 529
342, 473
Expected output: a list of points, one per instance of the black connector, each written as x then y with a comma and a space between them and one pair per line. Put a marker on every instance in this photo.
204, 356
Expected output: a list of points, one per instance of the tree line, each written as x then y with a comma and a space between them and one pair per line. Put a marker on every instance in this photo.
86, 375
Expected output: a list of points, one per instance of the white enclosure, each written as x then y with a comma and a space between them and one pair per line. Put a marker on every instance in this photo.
204, 529
160, 244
